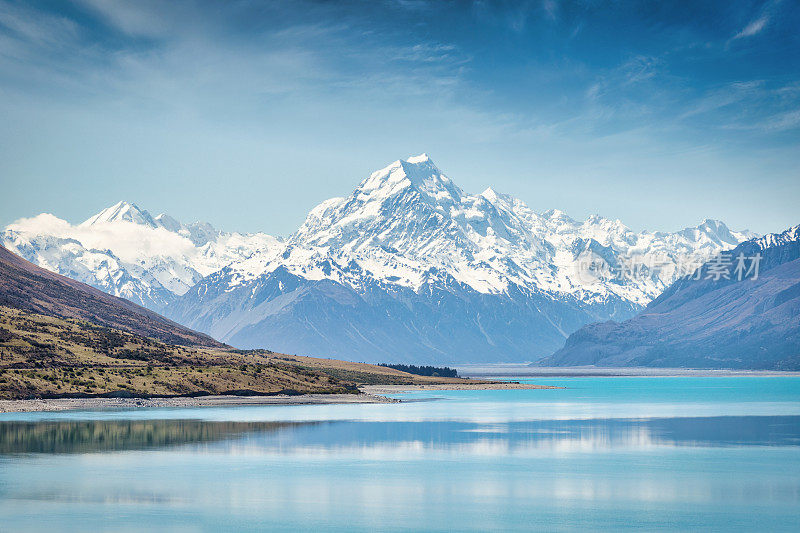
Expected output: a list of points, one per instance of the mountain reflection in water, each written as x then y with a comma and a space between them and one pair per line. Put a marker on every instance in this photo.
61, 437
64, 437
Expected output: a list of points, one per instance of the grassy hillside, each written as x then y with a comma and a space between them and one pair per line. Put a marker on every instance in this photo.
46, 357
26, 286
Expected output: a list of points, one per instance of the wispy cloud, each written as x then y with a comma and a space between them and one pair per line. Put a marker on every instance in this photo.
192, 65
518, 16
757, 25
34, 27
639, 68
140, 18
617, 91
551, 8
782, 122
754, 28
723, 97
753, 106
430, 53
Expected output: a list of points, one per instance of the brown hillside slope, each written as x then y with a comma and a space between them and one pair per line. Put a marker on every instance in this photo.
48, 357
28, 287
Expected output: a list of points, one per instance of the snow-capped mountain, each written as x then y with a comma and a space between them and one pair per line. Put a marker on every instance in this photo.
125, 251
410, 267
406, 268
705, 320
409, 217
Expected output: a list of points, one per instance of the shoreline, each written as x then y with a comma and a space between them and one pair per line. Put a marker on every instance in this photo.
370, 394
400, 389
523, 371
93, 404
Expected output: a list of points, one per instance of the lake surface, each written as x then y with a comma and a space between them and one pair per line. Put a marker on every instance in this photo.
698, 453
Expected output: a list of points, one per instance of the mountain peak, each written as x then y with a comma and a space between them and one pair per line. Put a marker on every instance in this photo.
418, 173
122, 211
714, 227
499, 199
712, 224
557, 215
168, 223
776, 239
491, 194
421, 158
715, 231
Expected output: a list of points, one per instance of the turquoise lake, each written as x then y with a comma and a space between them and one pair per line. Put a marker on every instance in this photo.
685, 453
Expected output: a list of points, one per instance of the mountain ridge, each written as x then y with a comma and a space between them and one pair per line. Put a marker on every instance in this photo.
404, 237
708, 319
406, 251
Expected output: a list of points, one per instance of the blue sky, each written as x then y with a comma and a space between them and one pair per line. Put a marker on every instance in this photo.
247, 114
